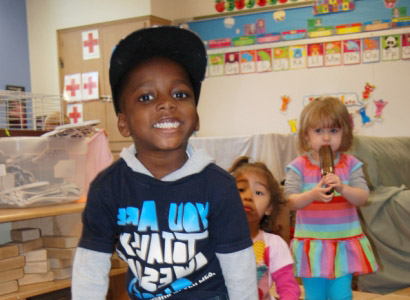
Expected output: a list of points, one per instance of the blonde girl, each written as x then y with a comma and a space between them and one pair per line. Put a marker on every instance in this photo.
329, 246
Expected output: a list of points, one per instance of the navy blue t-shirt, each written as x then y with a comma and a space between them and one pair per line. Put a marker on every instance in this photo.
169, 232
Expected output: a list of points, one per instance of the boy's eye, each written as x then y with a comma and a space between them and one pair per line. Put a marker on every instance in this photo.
180, 95
145, 98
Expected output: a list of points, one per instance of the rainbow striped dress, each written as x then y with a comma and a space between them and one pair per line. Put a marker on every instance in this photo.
328, 240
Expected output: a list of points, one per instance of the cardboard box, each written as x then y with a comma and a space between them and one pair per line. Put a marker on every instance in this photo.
24, 234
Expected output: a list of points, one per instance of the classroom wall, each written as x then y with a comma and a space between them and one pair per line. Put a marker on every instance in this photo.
14, 53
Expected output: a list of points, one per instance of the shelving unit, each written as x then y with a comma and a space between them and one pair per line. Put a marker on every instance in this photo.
33, 213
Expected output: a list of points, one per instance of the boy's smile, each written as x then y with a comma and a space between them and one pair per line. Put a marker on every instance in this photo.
158, 108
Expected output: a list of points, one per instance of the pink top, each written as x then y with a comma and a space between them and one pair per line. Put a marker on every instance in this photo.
274, 264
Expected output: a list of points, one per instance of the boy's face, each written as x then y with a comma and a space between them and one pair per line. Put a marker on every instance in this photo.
158, 106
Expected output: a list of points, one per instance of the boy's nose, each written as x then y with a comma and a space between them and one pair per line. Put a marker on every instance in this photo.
165, 102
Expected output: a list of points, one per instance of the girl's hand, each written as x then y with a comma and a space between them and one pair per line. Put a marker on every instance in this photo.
333, 181
319, 193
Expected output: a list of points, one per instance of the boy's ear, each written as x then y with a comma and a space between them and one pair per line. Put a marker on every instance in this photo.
123, 125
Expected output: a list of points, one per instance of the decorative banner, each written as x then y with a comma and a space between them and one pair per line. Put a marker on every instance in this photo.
329, 6
333, 53
351, 52
72, 87
281, 58
89, 86
248, 61
315, 55
231, 63
249, 5
297, 57
391, 47
75, 112
216, 64
264, 60
371, 49
405, 54
91, 47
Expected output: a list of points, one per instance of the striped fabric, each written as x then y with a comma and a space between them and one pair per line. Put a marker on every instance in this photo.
329, 241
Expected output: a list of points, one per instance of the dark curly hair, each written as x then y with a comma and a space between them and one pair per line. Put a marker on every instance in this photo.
242, 164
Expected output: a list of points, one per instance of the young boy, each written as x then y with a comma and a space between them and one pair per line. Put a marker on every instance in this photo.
177, 217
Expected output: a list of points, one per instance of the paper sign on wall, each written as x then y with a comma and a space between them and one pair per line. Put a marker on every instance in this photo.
351, 52
91, 44
405, 46
281, 58
75, 112
264, 60
89, 86
371, 49
391, 47
248, 61
315, 55
72, 87
216, 64
231, 63
333, 53
297, 57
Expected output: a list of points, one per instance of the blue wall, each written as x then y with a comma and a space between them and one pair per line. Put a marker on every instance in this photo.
365, 10
14, 55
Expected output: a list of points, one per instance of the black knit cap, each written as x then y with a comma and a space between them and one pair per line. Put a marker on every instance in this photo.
178, 44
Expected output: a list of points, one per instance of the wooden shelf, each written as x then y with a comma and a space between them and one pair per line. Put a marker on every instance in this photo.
31, 290
17, 214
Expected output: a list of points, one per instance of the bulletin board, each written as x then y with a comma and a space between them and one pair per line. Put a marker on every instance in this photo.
261, 97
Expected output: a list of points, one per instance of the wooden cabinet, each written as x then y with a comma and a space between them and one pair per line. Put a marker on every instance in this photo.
62, 219
71, 62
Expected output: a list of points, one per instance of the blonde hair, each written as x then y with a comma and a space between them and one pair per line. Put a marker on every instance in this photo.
327, 112
242, 165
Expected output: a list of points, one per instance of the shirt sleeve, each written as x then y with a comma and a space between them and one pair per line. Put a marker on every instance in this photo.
293, 183
239, 271
358, 180
90, 276
286, 285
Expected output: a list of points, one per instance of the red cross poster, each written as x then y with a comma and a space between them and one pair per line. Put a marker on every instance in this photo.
72, 87
89, 86
91, 47
75, 112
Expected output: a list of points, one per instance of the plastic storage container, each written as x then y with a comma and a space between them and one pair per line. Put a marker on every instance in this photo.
36, 171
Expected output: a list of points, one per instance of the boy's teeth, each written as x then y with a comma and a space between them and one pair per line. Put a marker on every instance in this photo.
166, 125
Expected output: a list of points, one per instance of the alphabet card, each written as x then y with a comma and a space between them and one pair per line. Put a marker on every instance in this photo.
333, 53
371, 49
297, 57
231, 63
351, 52
248, 61
216, 64
281, 58
315, 55
264, 60
405, 50
391, 45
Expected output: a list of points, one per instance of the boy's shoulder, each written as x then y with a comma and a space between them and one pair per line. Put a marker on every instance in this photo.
111, 172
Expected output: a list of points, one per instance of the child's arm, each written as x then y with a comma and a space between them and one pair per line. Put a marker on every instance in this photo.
286, 285
90, 274
318, 193
239, 271
355, 195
